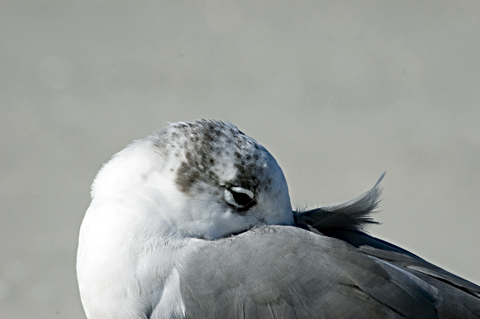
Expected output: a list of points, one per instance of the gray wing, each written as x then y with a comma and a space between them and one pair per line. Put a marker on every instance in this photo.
460, 298
332, 270
287, 272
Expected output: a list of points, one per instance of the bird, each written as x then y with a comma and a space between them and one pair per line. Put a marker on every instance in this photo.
195, 221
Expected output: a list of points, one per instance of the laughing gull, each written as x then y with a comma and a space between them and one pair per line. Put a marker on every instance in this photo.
195, 221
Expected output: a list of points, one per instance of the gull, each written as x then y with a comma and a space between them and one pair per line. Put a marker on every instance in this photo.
195, 221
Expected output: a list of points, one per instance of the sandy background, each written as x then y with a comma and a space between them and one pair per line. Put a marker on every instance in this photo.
338, 91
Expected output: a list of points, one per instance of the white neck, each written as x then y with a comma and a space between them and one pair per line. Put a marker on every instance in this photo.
143, 256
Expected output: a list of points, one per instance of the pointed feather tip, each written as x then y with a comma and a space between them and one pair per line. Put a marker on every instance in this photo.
350, 215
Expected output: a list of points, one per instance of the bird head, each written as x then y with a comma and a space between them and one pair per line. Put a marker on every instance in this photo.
202, 179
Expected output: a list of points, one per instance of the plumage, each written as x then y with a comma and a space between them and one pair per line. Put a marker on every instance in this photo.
195, 221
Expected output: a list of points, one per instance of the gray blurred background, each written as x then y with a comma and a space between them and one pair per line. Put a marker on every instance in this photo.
338, 91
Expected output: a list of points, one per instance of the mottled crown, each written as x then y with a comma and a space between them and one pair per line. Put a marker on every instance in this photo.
214, 153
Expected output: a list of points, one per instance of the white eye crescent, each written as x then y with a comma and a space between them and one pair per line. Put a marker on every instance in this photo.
239, 197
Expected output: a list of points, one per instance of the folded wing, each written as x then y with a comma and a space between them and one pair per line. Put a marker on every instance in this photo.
287, 272
327, 267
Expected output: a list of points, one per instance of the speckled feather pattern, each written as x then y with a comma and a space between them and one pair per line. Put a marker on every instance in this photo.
206, 148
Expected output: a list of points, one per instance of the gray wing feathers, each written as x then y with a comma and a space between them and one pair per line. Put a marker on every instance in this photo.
456, 303
418, 265
285, 272
457, 297
334, 270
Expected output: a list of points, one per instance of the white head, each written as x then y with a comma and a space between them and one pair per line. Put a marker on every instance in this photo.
202, 179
